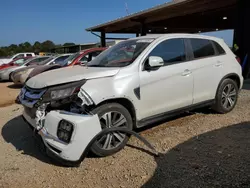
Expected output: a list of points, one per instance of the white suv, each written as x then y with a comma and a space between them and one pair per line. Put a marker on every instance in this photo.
130, 85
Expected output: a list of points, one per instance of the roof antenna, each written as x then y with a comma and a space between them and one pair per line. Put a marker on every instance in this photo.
126, 6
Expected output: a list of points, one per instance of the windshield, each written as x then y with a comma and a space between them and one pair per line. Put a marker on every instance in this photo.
122, 54
26, 61
70, 59
46, 61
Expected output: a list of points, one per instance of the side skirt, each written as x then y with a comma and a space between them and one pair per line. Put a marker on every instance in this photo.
166, 115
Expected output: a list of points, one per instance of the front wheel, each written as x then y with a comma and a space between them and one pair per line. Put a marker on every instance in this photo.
112, 115
226, 97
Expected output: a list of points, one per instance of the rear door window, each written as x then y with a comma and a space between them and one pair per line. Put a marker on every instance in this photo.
202, 48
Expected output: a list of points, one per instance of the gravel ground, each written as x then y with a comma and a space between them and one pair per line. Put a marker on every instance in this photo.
199, 149
9, 92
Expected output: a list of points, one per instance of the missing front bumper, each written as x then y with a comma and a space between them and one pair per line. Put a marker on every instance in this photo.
86, 127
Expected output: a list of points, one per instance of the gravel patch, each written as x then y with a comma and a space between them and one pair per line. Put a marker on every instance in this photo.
200, 149
9, 92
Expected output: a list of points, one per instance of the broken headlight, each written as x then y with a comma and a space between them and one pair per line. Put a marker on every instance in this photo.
62, 91
65, 130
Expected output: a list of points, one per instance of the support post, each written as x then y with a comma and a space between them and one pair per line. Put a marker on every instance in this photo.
103, 39
241, 33
143, 29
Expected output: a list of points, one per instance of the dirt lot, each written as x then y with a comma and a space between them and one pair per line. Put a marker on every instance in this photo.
8, 94
200, 150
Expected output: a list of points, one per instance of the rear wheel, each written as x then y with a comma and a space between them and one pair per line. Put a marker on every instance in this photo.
226, 97
112, 115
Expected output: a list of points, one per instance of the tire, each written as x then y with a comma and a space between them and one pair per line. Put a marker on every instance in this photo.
10, 77
223, 104
118, 114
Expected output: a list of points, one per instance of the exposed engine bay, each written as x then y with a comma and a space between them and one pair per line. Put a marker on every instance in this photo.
68, 97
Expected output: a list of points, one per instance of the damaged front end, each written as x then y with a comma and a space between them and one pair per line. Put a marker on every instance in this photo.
60, 115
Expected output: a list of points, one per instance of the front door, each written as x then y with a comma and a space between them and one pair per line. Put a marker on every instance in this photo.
171, 86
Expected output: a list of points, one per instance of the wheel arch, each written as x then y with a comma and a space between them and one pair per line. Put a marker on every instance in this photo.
232, 76
124, 102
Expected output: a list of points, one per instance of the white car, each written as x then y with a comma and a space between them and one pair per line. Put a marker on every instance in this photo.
130, 85
5, 74
16, 56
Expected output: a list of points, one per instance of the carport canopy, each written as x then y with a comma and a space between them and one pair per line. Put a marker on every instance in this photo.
188, 16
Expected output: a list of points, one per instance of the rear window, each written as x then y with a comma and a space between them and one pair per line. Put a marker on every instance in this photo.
29, 55
202, 48
219, 49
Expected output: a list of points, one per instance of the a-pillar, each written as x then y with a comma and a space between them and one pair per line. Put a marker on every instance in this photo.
242, 33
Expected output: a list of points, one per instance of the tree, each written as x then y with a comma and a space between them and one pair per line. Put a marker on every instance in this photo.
27, 46
37, 47
47, 45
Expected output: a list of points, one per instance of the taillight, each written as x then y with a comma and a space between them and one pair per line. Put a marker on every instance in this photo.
238, 59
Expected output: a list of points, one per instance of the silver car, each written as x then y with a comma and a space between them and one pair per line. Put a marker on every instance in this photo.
5, 74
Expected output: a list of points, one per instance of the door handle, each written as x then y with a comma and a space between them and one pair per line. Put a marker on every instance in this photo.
218, 64
186, 72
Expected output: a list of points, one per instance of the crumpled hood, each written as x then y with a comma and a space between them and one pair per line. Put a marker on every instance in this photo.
69, 74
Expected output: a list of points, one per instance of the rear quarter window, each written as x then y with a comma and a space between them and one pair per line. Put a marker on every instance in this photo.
219, 49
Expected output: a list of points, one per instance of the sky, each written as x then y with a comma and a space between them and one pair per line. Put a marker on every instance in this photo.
64, 21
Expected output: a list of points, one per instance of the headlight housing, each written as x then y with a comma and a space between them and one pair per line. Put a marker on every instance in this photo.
65, 130
62, 91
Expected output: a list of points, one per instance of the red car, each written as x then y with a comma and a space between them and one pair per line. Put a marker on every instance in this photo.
15, 62
86, 56
79, 58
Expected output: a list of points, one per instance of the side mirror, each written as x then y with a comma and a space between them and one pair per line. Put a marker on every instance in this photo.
154, 62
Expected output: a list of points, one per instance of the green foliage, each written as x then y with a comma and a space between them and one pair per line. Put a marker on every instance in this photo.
37, 47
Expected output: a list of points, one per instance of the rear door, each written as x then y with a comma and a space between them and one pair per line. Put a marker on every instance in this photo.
206, 69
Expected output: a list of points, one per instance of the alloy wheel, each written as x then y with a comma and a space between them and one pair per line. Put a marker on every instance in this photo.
112, 140
229, 96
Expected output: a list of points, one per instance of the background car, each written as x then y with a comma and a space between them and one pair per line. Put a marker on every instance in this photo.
20, 76
5, 74
16, 56
86, 56
79, 58
15, 62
